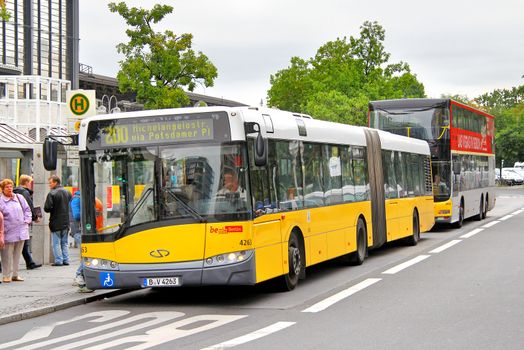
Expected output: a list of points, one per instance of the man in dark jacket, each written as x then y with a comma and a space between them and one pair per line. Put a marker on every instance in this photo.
57, 204
25, 190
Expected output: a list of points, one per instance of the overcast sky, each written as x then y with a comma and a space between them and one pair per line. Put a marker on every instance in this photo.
465, 47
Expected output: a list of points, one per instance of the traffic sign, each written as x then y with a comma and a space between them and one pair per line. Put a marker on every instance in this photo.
81, 103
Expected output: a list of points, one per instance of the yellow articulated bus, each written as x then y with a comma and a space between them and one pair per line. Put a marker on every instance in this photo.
237, 196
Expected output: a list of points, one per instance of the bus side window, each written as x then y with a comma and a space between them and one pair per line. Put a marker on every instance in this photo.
289, 175
332, 174
260, 189
313, 191
348, 182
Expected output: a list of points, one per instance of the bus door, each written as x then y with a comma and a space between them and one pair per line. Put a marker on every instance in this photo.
376, 184
268, 244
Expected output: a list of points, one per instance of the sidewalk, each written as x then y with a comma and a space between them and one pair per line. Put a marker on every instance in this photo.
45, 290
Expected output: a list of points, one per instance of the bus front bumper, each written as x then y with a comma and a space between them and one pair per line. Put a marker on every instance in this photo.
136, 276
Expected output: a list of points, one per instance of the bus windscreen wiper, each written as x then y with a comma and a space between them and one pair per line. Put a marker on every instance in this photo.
187, 207
138, 205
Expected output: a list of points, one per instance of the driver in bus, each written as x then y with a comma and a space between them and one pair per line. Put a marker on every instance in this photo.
438, 186
231, 186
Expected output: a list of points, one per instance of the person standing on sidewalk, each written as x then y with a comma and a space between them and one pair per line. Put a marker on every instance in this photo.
1, 237
57, 204
76, 228
17, 217
26, 182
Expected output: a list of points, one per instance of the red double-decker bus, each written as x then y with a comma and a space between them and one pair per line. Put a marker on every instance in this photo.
461, 139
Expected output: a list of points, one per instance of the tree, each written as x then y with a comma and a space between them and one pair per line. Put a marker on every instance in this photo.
507, 105
338, 82
4, 14
158, 65
291, 86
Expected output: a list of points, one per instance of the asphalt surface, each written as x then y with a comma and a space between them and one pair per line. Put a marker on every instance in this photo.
49, 288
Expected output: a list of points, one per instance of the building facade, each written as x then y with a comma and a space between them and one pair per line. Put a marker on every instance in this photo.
40, 38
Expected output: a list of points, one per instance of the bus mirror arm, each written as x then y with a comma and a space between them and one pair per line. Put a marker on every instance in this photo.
50, 148
260, 143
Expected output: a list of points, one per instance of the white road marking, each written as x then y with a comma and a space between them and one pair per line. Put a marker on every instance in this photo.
136, 323
492, 223
164, 334
406, 264
324, 304
251, 336
506, 217
518, 212
446, 246
472, 233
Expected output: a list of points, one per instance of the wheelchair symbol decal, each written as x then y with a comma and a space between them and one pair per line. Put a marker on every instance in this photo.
107, 279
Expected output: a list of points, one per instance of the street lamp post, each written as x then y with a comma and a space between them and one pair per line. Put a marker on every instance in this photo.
102, 109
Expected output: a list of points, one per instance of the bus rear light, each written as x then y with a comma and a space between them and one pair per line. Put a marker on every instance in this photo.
444, 212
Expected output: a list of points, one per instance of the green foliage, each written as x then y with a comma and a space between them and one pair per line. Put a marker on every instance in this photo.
158, 65
337, 107
507, 105
343, 76
4, 14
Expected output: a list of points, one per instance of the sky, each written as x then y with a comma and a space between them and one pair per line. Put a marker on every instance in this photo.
465, 47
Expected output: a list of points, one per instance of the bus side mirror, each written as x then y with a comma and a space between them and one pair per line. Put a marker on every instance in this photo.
456, 168
50, 154
260, 143
260, 151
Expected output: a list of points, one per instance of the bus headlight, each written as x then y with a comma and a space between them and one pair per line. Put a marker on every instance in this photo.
228, 258
100, 264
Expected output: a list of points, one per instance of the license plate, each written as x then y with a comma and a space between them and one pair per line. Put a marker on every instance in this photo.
161, 282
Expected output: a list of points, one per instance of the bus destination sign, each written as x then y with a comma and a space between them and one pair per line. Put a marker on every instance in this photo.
157, 131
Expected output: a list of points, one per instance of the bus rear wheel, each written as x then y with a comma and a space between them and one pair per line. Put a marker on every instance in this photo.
482, 211
415, 237
460, 221
296, 263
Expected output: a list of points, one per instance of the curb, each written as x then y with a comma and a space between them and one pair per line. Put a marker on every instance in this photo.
24, 315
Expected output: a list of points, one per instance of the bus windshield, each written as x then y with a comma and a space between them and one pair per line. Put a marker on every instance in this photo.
427, 124
179, 183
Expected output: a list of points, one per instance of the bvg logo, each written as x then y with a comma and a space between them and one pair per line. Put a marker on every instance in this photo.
159, 253
226, 229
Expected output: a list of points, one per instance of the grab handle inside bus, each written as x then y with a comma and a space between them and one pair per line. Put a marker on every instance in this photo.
260, 143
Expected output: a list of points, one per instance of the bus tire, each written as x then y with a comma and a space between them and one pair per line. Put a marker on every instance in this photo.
415, 237
480, 216
296, 263
460, 221
357, 257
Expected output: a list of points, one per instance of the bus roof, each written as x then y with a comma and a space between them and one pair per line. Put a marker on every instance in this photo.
422, 103
410, 103
284, 126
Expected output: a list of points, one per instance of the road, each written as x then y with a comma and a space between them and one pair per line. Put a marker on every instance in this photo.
457, 289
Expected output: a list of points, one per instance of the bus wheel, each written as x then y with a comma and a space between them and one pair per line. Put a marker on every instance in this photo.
357, 257
295, 260
460, 221
415, 237
481, 209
